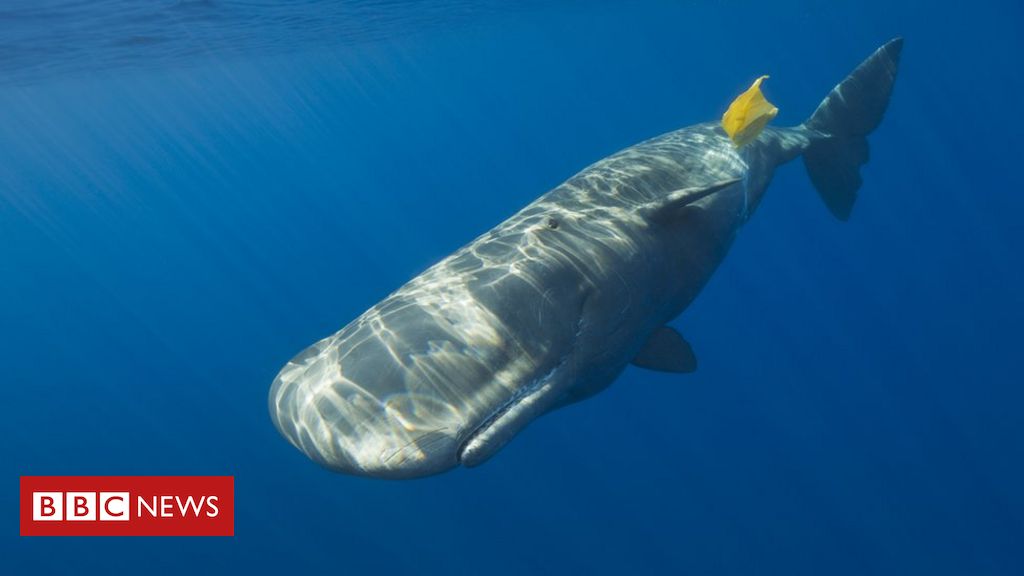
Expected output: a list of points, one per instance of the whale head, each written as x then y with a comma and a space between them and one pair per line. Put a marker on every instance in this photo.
415, 387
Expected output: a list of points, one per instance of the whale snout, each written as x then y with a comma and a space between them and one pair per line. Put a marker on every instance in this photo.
340, 424
399, 392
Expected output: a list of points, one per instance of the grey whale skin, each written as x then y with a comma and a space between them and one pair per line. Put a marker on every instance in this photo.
549, 307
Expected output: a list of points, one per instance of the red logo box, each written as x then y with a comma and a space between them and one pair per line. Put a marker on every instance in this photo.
127, 506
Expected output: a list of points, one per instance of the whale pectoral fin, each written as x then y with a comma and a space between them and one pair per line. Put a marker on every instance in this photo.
666, 351
670, 206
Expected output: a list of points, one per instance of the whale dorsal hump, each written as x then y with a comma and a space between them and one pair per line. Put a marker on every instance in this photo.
670, 206
666, 351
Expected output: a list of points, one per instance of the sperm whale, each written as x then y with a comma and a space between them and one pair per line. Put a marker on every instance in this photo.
550, 306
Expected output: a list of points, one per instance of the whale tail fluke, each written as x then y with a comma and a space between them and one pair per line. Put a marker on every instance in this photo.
841, 124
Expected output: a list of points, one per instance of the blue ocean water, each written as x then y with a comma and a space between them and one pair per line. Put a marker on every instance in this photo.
192, 192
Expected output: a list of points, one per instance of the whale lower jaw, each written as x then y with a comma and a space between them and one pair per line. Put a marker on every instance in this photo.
510, 418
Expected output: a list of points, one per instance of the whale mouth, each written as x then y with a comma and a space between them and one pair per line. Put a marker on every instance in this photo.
526, 404
505, 421
475, 437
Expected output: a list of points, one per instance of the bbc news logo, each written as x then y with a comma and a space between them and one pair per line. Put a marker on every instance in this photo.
116, 506
127, 506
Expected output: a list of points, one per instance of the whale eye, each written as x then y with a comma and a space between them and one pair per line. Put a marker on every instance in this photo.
551, 222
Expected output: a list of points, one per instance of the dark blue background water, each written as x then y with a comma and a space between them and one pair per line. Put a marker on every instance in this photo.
191, 192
